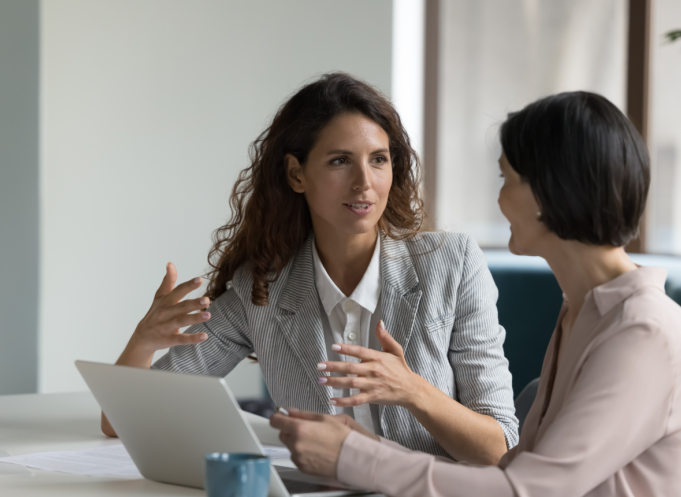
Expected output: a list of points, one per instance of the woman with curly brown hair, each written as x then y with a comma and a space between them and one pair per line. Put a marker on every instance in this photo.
325, 244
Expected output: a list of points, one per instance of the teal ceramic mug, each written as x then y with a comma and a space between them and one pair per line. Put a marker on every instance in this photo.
237, 475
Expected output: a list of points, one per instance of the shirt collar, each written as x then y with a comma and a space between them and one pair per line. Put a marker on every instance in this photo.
367, 292
608, 295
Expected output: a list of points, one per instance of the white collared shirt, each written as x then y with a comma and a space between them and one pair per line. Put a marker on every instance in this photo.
351, 320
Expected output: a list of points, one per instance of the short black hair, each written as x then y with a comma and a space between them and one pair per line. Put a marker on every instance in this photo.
587, 166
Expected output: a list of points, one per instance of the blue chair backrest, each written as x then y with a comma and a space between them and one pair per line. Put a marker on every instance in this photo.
529, 302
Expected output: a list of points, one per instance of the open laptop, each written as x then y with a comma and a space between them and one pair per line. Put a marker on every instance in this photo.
168, 422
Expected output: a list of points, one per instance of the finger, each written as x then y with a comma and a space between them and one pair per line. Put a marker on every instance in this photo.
181, 291
354, 400
184, 307
345, 382
168, 282
311, 416
188, 338
283, 423
188, 319
355, 351
389, 344
344, 367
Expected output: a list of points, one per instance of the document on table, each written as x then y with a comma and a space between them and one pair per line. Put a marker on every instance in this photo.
12, 469
109, 460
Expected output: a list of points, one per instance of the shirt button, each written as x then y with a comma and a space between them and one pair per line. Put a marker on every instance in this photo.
349, 305
352, 336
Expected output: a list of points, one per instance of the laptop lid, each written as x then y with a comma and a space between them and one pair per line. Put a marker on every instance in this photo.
169, 421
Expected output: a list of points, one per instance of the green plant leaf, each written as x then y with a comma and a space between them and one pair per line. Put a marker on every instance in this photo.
673, 35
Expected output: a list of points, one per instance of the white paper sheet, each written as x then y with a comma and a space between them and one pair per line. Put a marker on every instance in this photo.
109, 460
274, 452
12, 469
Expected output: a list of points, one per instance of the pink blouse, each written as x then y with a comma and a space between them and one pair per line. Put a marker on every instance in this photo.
606, 420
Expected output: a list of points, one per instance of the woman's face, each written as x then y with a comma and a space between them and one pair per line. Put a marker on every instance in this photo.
347, 177
519, 206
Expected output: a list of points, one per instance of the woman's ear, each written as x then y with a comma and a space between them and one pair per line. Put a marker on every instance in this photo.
294, 174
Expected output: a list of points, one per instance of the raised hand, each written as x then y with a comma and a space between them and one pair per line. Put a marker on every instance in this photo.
160, 328
381, 377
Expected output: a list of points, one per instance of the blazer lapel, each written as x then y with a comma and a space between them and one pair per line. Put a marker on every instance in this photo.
299, 319
399, 299
399, 296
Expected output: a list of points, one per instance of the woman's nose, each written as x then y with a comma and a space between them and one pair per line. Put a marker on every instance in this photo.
361, 179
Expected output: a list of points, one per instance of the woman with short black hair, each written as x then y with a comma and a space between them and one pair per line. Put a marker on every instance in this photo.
607, 417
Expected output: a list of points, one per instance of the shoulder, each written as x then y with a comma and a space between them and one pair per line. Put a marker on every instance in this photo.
653, 312
241, 285
442, 249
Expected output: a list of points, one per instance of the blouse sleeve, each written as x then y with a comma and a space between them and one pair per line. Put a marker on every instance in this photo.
619, 407
476, 350
227, 344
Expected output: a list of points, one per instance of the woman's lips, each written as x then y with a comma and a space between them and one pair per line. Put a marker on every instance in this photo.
359, 208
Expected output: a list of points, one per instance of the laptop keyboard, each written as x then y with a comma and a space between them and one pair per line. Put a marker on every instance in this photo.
301, 487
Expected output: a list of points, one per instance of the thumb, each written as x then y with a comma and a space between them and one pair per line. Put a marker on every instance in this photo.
168, 282
388, 343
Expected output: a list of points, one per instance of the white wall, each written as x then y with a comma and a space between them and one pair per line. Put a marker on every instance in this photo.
148, 107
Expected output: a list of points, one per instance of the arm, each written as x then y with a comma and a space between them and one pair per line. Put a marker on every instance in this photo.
324, 445
200, 349
476, 352
385, 378
601, 428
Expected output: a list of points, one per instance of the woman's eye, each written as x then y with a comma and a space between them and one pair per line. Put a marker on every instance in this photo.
381, 159
339, 160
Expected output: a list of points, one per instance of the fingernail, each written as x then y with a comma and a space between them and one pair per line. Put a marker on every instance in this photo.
321, 366
322, 379
203, 337
332, 402
335, 347
382, 325
197, 279
205, 315
204, 301
293, 409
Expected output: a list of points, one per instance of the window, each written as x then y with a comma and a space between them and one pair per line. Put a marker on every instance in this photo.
496, 56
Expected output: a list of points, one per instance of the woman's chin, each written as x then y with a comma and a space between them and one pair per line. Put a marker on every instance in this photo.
514, 247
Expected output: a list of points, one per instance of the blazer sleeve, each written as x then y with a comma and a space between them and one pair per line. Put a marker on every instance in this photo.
476, 351
227, 344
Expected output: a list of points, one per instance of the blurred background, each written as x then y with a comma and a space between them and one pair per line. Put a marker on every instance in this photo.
124, 123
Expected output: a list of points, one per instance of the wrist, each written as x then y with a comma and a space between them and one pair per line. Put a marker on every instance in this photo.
418, 393
137, 353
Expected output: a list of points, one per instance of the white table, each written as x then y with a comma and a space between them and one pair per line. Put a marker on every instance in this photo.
49, 422
66, 421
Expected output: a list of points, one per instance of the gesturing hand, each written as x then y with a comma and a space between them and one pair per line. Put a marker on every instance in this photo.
160, 328
382, 377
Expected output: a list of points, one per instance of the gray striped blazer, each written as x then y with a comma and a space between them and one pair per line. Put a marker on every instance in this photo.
438, 300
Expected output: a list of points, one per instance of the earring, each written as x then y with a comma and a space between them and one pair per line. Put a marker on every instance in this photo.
538, 214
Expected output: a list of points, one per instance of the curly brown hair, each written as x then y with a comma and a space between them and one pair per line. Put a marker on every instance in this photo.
269, 220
